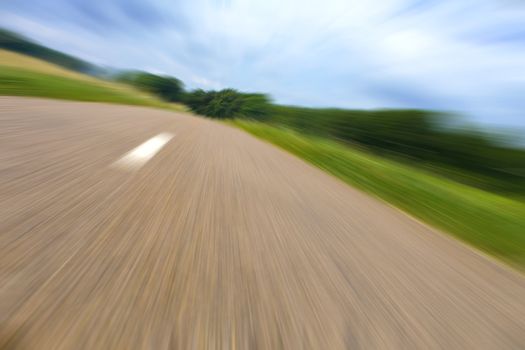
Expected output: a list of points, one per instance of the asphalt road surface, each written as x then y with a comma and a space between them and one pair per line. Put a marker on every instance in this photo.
133, 228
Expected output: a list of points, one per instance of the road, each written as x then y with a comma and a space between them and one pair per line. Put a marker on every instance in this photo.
132, 228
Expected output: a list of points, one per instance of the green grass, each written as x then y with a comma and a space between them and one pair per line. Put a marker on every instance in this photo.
493, 223
41, 79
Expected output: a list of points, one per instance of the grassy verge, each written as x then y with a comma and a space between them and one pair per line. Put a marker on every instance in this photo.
25, 76
493, 223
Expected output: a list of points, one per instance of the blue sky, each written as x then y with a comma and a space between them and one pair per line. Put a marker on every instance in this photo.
457, 55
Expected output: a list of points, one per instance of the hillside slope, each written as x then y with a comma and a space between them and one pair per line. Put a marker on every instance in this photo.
17, 43
21, 75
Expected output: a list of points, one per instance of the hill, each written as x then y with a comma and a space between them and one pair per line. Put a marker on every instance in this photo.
21, 75
17, 43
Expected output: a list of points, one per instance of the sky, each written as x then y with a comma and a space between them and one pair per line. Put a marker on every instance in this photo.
464, 56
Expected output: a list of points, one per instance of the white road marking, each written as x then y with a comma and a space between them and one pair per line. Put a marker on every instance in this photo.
140, 155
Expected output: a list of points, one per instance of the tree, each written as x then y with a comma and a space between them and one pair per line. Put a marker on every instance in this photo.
228, 103
167, 88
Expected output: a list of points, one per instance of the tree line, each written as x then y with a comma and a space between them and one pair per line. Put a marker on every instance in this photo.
415, 136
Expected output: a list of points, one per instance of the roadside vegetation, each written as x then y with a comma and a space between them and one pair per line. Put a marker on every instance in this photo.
26, 76
227, 104
462, 180
429, 140
423, 139
489, 221
166, 88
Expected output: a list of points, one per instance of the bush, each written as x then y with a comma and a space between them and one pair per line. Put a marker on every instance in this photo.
228, 103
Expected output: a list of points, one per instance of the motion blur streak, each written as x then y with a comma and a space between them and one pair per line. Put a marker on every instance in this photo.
143, 153
237, 246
